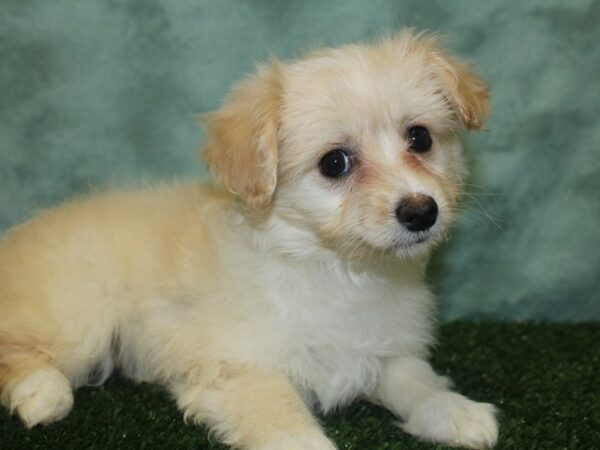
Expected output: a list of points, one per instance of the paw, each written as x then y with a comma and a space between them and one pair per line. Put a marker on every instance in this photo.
299, 441
451, 419
44, 396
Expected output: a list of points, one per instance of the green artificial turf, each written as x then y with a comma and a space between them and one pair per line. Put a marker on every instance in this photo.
545, 379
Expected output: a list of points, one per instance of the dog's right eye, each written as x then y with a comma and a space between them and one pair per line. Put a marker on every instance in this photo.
336, 163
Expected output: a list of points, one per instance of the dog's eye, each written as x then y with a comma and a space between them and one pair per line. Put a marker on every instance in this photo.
419, 140
335, 163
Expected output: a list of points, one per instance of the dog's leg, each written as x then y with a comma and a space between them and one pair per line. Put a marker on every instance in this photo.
34, 389
411, 389
252, 410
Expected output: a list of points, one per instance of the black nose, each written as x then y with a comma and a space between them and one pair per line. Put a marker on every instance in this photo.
417, 212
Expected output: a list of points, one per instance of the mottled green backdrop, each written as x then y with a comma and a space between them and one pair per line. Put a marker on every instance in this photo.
98, 92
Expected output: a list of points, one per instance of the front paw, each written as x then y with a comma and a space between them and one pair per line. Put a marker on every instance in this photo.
452, 419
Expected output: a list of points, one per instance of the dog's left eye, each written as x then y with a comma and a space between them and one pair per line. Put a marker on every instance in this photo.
335, 163
419, 139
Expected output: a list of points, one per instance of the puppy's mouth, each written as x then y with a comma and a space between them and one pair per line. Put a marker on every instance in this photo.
416, 241
409, 243
421, 239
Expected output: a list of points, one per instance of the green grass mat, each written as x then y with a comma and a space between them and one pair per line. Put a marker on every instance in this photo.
545, 379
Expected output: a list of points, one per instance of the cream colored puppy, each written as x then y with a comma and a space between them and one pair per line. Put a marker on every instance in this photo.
296, 282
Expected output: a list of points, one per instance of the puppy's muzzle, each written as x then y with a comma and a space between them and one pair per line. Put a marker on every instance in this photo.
417, 212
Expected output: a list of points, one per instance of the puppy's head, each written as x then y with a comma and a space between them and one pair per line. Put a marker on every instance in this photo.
357, 145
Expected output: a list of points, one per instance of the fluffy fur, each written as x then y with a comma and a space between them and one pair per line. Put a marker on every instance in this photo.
276, 290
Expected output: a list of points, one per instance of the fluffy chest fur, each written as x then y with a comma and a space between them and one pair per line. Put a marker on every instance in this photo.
337, 329
327, 324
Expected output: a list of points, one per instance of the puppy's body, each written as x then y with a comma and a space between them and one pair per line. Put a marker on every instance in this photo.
129, 269
285, 285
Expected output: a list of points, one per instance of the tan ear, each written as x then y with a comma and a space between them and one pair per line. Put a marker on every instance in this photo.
241, 146
468, 94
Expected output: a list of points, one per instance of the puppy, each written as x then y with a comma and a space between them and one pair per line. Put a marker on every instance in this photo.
295, 282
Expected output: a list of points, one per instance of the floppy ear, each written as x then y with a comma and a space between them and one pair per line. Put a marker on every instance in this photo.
468, 94
241, 146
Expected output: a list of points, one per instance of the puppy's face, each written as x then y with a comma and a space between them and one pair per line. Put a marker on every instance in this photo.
357, 145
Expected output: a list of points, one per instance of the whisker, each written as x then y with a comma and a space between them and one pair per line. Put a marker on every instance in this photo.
485, 212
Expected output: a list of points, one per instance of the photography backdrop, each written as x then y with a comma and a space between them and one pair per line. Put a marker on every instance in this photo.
106, 92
